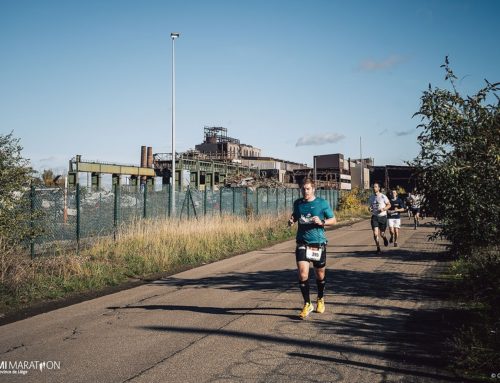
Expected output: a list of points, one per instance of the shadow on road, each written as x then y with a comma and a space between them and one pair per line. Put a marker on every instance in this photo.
316, 349
376, 284
415, 338
212, 310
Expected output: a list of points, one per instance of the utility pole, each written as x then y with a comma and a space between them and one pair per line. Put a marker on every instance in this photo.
173, 35
362, 172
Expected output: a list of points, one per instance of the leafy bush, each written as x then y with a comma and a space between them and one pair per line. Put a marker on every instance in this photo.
458, 170
354, 199
459, 162
15, 179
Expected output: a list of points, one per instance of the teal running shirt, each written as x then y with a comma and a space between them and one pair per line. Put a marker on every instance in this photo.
303, 211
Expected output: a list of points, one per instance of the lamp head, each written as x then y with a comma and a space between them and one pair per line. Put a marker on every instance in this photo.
174, 35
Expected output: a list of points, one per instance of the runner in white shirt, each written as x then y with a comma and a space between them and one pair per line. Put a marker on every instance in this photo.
415, 202
378, 206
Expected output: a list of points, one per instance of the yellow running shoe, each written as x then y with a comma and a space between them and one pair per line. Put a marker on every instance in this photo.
320, 305
306, 310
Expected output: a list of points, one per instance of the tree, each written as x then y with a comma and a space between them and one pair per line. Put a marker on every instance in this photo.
15, 178
458, 166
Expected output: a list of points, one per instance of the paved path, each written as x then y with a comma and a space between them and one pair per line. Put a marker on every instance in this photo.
236, 321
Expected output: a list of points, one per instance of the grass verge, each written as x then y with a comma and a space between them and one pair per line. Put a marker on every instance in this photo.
476, 289
143, 250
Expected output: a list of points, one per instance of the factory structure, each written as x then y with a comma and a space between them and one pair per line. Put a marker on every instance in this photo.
220, 160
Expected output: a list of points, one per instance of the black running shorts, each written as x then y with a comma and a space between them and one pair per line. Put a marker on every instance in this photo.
300, 255
379, 221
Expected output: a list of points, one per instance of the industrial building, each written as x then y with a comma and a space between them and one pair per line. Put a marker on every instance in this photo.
220, 156
332, 170
269, 167
394, 176
218, 145
208, 166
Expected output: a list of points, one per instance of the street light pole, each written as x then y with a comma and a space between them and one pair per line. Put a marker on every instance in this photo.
173, 35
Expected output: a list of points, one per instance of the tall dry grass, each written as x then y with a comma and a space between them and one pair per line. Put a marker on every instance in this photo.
142, 248
154, 245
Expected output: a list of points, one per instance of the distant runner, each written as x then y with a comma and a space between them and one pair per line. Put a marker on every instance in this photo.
394, 219
378, 206
312, 214
415, 202
408, 206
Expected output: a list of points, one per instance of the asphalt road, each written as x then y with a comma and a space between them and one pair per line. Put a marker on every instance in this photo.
236, 321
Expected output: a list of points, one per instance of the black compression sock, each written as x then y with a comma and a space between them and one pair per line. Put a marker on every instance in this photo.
321, 288
304, 289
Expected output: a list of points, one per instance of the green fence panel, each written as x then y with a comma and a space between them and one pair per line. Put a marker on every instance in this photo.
101, 212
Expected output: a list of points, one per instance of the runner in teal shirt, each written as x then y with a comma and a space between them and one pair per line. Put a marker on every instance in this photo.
303, 211
313, 214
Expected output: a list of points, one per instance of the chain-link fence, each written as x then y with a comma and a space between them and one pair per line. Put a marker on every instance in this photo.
80, 213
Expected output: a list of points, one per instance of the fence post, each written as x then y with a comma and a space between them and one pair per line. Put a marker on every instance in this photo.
115, 213
32, 221
145, 201
169, 190
267, 202
78, 218
205, 201
234, 201
277, 200
168, 206
220, 202
257, 201
246, 202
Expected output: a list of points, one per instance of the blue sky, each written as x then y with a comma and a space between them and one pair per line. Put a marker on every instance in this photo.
294, 78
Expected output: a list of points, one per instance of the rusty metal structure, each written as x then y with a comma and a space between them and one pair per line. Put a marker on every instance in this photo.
217, 145
198, 173
97, 169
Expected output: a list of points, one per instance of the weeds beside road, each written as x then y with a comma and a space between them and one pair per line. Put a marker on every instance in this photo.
475, 283
144, 250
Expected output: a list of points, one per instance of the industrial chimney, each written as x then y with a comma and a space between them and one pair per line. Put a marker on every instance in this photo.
143, 156
149, 162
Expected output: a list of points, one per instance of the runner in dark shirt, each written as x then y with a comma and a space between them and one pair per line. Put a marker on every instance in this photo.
394, 218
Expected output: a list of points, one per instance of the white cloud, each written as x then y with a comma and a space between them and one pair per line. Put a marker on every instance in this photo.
48, 159
383, 132
58, 165
370, 65
405, 132
320, 139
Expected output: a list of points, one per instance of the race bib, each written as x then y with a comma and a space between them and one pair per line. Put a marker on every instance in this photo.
313, 253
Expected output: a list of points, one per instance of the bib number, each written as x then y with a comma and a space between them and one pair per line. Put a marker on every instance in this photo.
313, 253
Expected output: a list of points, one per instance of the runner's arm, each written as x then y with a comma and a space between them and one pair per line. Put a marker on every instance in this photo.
387, 205
294, 217
324, 222
330, 221
402, 207
329, 216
